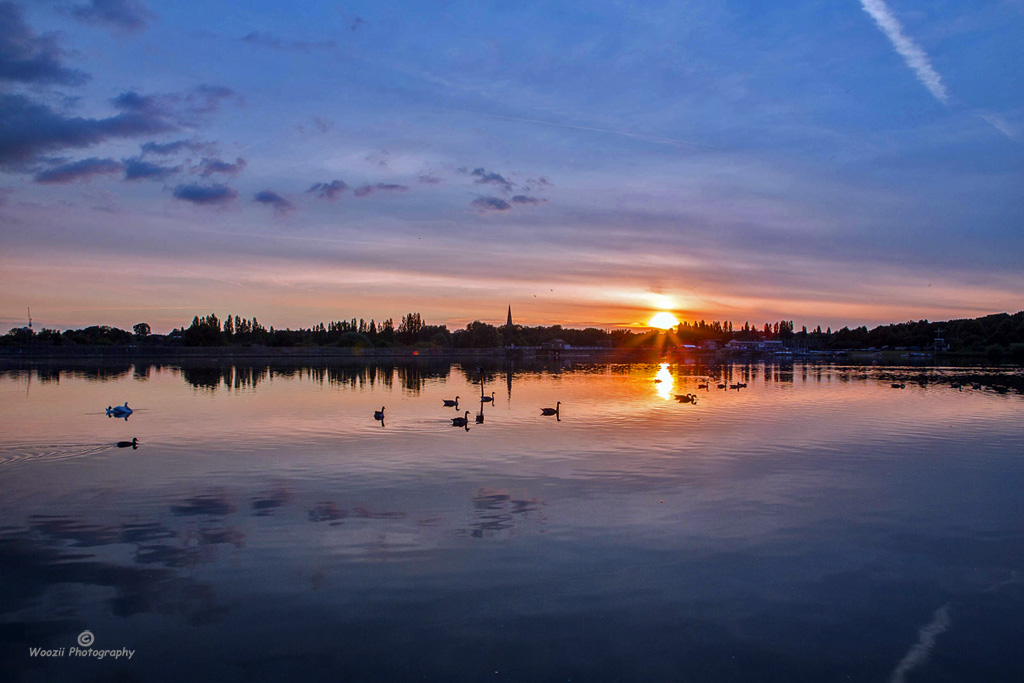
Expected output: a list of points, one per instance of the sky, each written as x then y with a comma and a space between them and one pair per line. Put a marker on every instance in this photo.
832, 162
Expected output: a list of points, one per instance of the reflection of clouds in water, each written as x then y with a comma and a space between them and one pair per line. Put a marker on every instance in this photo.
277, 497
922, 650
215, 503
495, 511
330, 511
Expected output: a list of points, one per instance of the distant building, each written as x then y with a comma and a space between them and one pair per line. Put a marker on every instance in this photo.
735, 345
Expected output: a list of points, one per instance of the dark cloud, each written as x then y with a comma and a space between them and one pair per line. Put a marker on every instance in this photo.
30, 58
490, 204
28, 129
523, 199
166, 148
542, 181
78, 170
485, 178
189, 109
208, 167
429, 180
121, 15
366, 190
135, 168
329, 191
271, 41
271, 198
206, 194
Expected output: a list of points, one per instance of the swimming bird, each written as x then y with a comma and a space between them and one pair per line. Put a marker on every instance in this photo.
487, 399
461, 421
686, 398
551, 411
451, 403
120, 411
134, 443
898, 385
703, 386
379, 414
975, 386
722, 386
734, 386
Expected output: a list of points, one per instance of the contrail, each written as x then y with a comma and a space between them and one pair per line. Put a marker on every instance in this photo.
922, 650
911, 52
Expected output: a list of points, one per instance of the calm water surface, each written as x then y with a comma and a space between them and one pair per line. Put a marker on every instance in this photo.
817, 525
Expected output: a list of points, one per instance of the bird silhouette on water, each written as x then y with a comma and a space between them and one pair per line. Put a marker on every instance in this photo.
551, 411
133, 444
449, 403
461, 421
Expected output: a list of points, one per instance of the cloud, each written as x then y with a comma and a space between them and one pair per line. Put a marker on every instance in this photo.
429, 180
329, 191
490, 204
208, 167
367, 190
189, 109
135, 168
485, 178
121, 15
271, 41
523, 199
206, 194
79, 170
26, 57
271, 198
165, 148
28, 129
912, 54
323, 124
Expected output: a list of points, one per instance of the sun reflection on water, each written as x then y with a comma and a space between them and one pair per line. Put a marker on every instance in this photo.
663, 382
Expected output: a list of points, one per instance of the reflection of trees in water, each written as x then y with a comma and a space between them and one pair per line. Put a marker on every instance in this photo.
496, 511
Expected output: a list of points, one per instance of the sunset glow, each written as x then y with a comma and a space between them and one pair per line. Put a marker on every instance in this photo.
409, 176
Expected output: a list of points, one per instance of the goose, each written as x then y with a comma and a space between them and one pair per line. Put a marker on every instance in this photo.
743, 385
461, 421
450, 403
722, 386
734, 386
898, 385
379, 414
487, 399
551, 411
703, 386
134, 443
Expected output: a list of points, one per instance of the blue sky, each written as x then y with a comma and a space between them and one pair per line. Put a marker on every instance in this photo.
853, 162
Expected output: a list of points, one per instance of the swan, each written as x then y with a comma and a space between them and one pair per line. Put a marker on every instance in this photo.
379, 414
451, 403
134, 443
734, 386
686, 398
120, 411
703, 386
487, 399
461, 421
551, 411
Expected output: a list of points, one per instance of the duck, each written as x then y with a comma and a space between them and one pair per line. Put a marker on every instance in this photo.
461, 421
487, 399
551, 411
134, 443
379, 414
449, 403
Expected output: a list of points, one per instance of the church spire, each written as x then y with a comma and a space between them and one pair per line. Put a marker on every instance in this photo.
509, 323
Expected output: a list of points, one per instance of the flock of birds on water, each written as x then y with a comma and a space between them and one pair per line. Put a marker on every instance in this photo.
124, 411
464, 420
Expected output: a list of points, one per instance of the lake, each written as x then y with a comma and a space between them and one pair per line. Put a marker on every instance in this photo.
815, 525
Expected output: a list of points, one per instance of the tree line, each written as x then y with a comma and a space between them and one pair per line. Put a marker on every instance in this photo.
998, 336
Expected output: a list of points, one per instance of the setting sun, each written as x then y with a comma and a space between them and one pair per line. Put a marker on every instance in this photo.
663, 320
